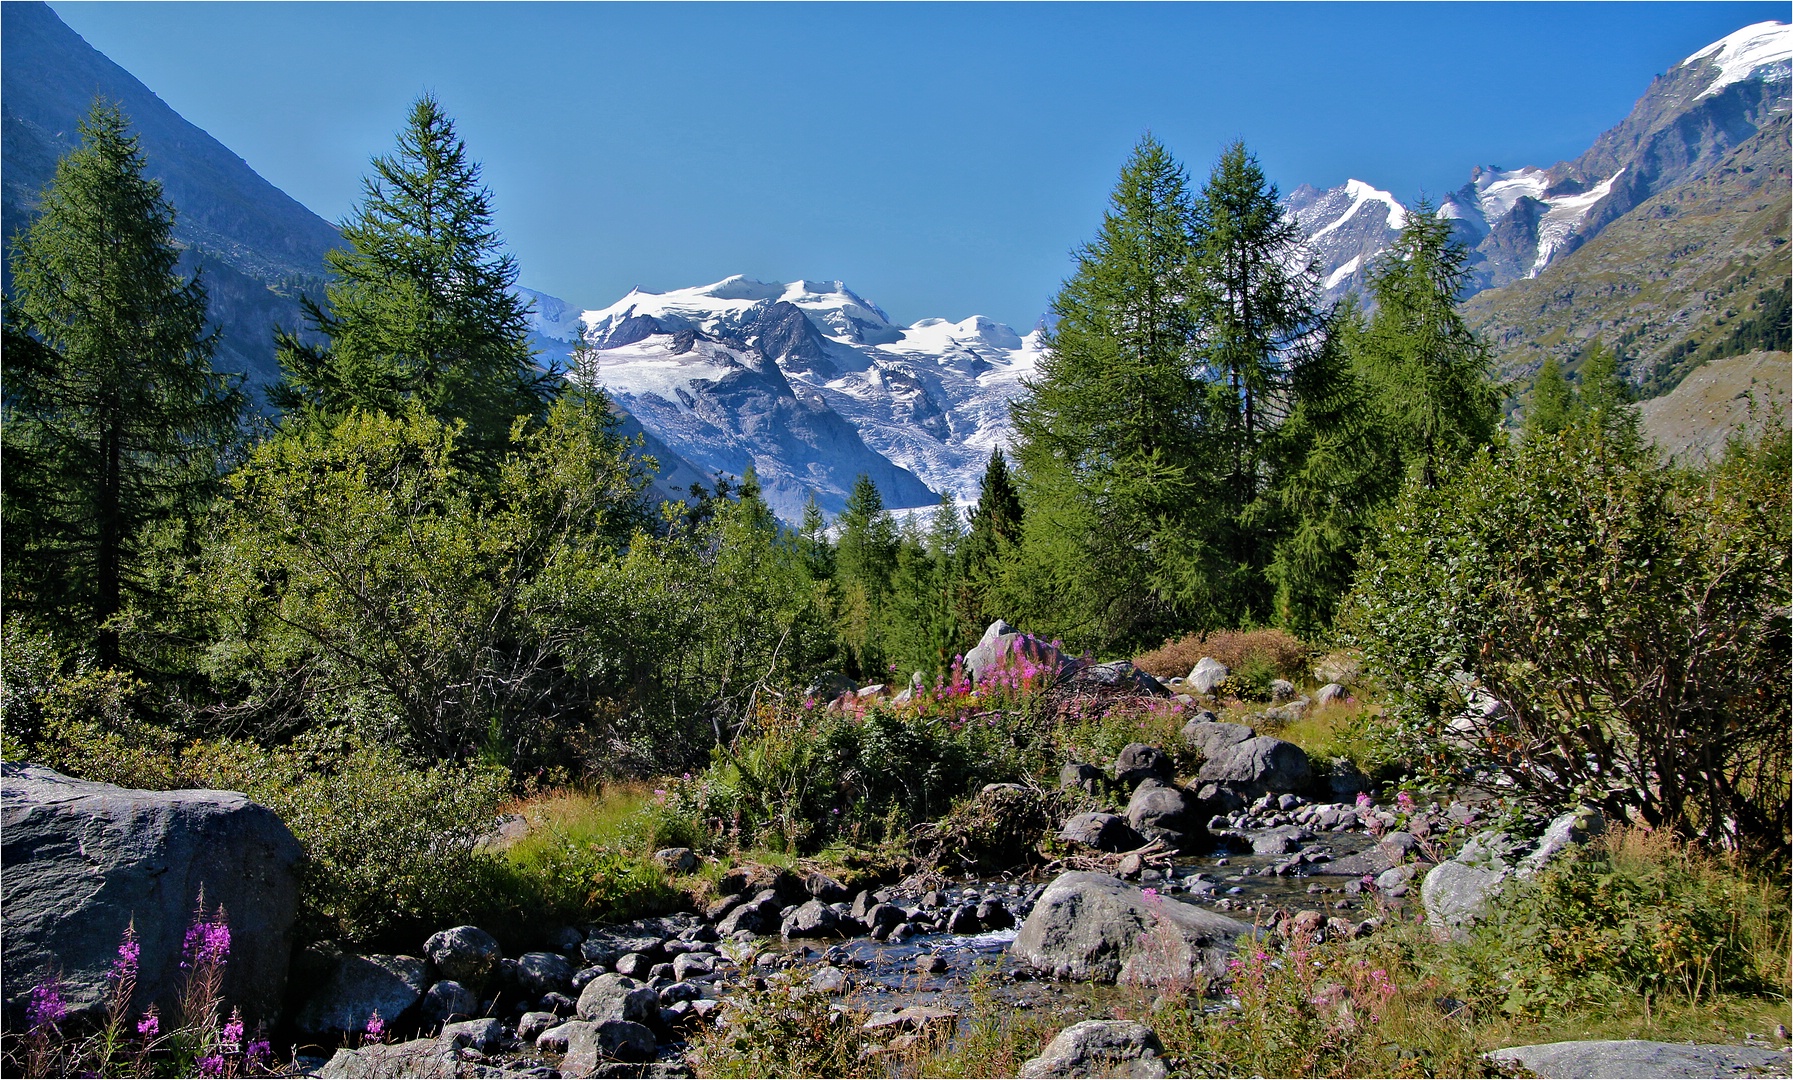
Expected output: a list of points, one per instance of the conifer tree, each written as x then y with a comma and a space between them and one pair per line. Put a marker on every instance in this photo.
1428, 372
1259, 327
1334, 474
812, 541
1604, 398
995, 530
115, 421
1553, 401
865, 558
1109, 450
422, 304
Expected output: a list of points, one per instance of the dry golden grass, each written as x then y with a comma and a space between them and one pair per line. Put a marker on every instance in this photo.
1280, 649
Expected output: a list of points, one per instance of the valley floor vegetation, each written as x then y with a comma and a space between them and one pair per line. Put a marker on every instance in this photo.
427, 591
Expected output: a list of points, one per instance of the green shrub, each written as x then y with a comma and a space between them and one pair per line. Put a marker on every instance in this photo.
1631, 619
1634, 913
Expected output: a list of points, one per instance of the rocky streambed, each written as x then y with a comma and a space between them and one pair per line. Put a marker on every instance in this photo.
627, 1000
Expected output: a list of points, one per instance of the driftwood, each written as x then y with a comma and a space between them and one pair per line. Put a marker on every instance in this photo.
1156, 855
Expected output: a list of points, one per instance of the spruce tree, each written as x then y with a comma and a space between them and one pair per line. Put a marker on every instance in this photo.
1334, 475
995, 530
1428, 371
115, 421
1604, 397
865, 558
1109, 448
422, 304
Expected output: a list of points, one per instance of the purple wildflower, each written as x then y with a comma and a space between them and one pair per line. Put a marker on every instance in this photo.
1364, 802
259, 1051
211, 1065
376, 1027
47, 1007
129, 950
1405, 802
150, 1025
206, 942
1150, 894
233, 1028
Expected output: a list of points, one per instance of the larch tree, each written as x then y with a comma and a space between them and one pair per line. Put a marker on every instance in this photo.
1428, 371
1108, 441
1259, 328
115, 422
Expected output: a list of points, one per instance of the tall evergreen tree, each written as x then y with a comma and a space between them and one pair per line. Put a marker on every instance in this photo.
1604, 397
1259, 327
1428, 372
422, 304
1553, 401
1334, 474
1109, 450
995, 530
114, 419
865, 558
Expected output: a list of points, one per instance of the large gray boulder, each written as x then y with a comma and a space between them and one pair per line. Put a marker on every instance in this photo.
1161, 812
466, 954
1214, 739
591, 1044
1003, 646
1599, 1059
1258, 766
1093, 927
618, 997
1457, 892
1141, 761
1116, 676
1104, 832
541, 973
1099, 1048
81, 861
418, 1058
813, 919
351, 988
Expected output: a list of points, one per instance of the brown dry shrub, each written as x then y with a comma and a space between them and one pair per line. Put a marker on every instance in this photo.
1280, 649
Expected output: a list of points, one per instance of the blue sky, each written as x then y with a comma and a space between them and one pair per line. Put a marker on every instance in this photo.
941, 159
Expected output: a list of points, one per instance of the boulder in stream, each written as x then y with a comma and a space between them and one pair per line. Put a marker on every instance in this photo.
1094, 927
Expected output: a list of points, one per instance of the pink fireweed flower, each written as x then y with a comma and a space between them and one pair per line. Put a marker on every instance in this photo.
211, 1065
1364, 802
1405, 802
47, 1008
129, 950
376, 1027
150, 1025
206, 942
259, 1051
233, 1028
1151, 895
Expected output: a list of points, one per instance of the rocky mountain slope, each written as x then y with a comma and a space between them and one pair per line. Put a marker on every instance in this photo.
1735, 394
1660, 283
1518, 222
258, 247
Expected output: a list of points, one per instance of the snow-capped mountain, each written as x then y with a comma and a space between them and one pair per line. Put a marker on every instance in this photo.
808, 382
1347, 227
1516, 222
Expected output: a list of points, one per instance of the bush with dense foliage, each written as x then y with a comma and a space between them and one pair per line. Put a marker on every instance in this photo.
1630, 620
1284, 654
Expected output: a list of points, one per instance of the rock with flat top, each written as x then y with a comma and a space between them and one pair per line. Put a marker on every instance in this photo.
1599, 1059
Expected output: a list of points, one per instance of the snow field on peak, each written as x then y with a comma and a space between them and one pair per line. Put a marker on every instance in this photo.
1565, 215
1744, 54
931, 398
1361, 195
